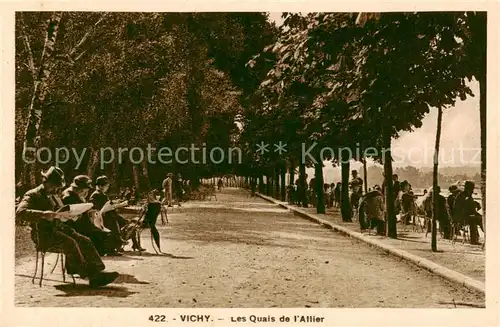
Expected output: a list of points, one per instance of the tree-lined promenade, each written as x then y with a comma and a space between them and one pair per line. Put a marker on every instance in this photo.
343, 80
243, 252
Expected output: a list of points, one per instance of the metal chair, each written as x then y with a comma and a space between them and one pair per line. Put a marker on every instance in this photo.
42, 250
456, 228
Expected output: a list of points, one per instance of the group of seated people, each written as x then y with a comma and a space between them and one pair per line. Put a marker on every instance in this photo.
93, 234
459, 209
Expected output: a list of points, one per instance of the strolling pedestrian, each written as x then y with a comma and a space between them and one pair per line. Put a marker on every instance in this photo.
326, 192
356, 189
408, 205
338, 193
167, 190
178, 189
332, 195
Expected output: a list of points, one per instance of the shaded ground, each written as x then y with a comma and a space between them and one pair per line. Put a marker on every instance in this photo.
463, 258
244, 252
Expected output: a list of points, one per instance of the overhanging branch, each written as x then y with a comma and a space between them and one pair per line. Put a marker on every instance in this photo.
26, 42
83, 39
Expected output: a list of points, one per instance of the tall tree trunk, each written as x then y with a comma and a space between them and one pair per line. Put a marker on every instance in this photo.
268, 185
365, 175
93, 162
113, 176
261, 183
32, 131
292, 174
389, 191
435, 193
119, 176
318, 176
302, 185
277, 183
345, 205
145, 175
482, 119
135, 175
283, 183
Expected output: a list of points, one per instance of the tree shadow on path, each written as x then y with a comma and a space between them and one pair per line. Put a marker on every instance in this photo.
45, 279
85, 290
119, 258
163, 254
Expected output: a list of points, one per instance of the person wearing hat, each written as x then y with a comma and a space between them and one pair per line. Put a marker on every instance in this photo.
179, 189
76, 193
356, 185
338, 194
407, 203
167, 190
442, 212
371, 212
38, 206
464, 211
112, 220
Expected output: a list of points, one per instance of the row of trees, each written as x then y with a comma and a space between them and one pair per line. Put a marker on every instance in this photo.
346, 79
98, 80
340, 80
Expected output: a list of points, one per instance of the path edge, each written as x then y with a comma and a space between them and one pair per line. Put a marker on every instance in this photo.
446, 273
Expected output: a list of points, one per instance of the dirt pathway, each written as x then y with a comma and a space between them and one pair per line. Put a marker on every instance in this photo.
244, 252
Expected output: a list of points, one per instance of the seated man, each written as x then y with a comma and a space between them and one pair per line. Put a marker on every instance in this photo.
112, 220
465, 211
442, 212
77, 193
373, 209
38, 206
407, 203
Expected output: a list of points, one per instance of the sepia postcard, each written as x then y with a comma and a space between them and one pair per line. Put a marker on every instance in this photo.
249, 164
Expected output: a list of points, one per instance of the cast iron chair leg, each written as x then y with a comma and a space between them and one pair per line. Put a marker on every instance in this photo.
36, 269
43, 264
139, 241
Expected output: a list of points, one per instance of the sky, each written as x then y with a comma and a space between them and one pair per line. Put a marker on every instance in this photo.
460, 135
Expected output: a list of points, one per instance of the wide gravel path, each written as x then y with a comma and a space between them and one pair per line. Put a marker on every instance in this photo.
238, 251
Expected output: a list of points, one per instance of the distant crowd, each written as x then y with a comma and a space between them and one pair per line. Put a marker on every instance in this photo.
459, 209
